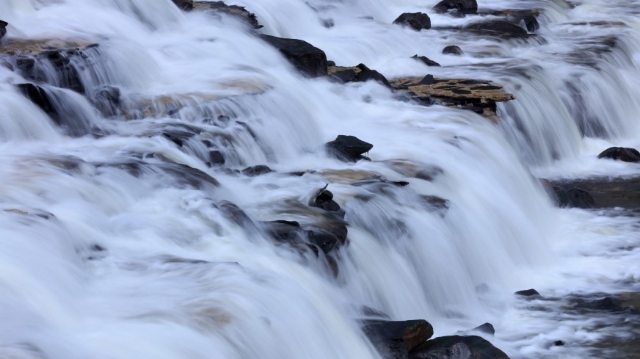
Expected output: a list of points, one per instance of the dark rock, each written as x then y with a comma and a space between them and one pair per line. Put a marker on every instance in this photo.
232, 212
390, 336
3, 28
457, 347
282, 230
348, 148
304, 56
219, 7
324, 200
606, 192
367, 74
528, 293
425, 60
500, 28
326, 236
346, 75
185, 5
621, 154
66, 70
331, 63
461, 6
573, 197
107, 100
254, 171
427, 80
486, 328
604, 304
416, 20
436, 204
216, 158
558, 343
452, 50
189, 176
530, 22
39, 96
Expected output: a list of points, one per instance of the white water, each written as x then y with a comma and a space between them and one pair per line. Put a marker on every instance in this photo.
143, 297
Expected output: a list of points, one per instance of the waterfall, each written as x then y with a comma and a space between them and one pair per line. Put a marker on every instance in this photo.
159, 167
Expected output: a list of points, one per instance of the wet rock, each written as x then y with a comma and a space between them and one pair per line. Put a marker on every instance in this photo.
348, 148
605, 192
185, 5
573, 197
436, 204
254, 171
416, 20
391, 337
477, 95
107, 100
621, 154
528, 18
219, 7
452, 50
604, 304
189, 176
425, 60
486, 328
498, 28
3, 28
457, 347
39, 96
324, 200
461, 6
305, 57
326, 236
232, 212
216, 158
359, 73
558, 343
528, 293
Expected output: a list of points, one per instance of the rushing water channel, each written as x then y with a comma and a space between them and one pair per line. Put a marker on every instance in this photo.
110, 248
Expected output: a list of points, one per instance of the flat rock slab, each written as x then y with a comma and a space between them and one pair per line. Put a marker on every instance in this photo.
20, 47
477, 95
608, 192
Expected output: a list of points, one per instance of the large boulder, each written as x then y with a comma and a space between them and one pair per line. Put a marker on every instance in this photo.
621, 154
397, 338
305, 57
3, 28
415, 20
452, 50
461, 6
457, 347
348, 148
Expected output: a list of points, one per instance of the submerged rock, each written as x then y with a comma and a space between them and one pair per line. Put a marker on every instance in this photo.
219, 7
416, 20
39, 96
486, 328
452, 50
601, 192
462, 6
573, 197
254, 171
621, 154
498, 28
397, 338
457, 347
348, 148
528, 17
305, 57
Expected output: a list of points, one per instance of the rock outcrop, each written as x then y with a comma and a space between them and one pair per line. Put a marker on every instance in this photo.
475, 95
348, 148
219, 7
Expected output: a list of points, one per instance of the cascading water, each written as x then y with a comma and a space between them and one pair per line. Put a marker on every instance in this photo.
130, 230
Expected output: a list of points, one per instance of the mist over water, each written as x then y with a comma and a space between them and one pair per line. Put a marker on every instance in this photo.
118, 241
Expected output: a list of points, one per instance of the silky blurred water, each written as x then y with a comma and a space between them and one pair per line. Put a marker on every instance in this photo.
108, 251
